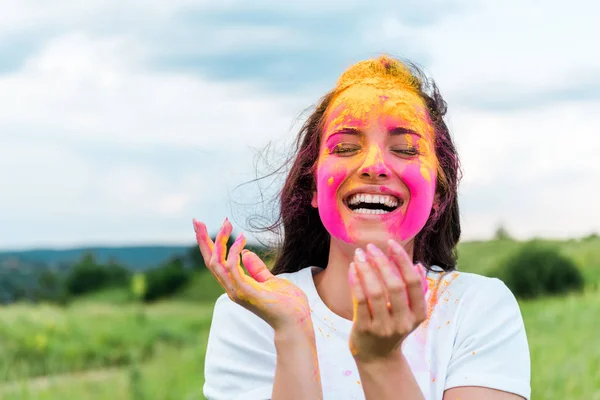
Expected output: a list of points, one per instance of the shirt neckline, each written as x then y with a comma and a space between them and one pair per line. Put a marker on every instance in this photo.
320, 309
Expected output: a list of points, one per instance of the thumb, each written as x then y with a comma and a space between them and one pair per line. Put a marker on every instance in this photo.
255, 266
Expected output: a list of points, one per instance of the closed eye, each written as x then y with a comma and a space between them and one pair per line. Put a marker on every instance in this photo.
345, 148
411, 151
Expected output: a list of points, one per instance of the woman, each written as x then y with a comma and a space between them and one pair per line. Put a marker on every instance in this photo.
364, 300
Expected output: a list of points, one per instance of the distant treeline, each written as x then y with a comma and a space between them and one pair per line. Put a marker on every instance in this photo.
132, 257
61, 281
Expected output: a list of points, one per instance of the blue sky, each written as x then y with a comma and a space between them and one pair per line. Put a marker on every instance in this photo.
123, 120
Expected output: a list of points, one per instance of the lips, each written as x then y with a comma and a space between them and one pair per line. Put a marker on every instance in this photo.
373, 202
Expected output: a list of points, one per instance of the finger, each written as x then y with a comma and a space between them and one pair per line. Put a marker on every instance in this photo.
393, 280
359, 299
255, 266
220, 251
233, 261
419, 305
372, 285
205, 243
376, 260
412, 279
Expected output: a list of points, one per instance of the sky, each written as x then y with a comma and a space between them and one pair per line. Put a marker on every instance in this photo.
120, 121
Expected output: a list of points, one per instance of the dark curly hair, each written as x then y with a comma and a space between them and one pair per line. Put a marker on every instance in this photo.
305, 239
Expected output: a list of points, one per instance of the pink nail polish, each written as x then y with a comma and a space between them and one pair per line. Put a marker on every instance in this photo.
374, 250
360, 255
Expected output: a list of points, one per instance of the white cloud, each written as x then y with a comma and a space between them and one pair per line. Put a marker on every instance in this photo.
30, 15
97, 89
536, 170
514, 44
81, 90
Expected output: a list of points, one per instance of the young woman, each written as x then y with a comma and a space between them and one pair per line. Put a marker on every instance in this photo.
364, 301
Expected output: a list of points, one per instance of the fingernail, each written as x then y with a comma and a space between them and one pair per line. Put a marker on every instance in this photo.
396, 248
245, 251
240, 238
360, 255
374, 250
194, 224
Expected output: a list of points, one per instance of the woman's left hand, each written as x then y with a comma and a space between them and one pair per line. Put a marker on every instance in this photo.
389, 301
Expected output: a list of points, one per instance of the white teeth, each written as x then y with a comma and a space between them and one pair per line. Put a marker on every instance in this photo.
389, 201
367, 211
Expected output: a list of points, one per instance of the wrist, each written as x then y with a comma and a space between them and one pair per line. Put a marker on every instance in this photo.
394, 359
295, 333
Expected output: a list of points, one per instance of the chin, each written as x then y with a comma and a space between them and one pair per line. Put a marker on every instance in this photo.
376, 237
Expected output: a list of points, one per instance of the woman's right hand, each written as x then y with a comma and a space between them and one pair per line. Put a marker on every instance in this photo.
277, 301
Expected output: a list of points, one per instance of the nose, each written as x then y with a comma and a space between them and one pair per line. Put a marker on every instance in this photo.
374, 166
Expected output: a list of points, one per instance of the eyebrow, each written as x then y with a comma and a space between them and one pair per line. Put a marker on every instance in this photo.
357, 132
403, 131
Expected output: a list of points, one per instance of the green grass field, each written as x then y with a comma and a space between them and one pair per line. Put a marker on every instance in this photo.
85, 351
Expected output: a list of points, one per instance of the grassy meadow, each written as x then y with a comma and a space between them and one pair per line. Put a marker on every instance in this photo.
105, 346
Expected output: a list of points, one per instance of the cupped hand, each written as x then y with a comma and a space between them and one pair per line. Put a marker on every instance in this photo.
389, 300
277, 301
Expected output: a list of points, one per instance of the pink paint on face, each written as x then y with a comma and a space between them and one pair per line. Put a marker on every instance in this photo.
417, 212
327, 199
370, 140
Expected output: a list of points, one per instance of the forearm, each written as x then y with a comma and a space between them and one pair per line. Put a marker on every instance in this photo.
297, 374
389, 379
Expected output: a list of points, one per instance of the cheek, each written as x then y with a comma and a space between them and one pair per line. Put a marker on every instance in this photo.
329, 179
420, 181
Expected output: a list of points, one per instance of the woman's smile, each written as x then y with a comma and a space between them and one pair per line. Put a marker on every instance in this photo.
374, 203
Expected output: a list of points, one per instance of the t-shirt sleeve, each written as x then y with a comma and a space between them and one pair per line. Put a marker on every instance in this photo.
240, 355
491, 349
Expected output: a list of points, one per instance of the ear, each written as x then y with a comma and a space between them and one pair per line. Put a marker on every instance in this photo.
314, 202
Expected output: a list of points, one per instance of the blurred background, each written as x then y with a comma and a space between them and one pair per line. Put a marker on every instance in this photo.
120, 121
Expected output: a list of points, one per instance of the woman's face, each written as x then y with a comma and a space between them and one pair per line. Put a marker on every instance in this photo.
376, 171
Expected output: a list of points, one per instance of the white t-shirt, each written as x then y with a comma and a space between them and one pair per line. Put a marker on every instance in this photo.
474, 336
